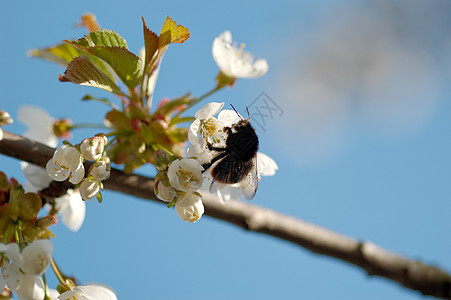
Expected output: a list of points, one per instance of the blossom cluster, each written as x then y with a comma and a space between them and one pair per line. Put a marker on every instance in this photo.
21, 270
183, 181
46, 130
67, 163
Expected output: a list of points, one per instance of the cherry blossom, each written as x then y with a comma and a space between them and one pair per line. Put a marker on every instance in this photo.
235, 62
189, 207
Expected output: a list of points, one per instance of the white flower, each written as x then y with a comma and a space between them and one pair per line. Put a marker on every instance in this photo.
185, 174
31, 288
92, 148
25, 286
89, 188
101, 169
36, 257
163, 192
72, 209
189, 207
40, 128
11, 252
235, 62
205, 125
206, 129
89, 292
66, 163
39, 123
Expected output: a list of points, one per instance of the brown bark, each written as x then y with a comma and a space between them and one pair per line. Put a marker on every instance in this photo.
429, 280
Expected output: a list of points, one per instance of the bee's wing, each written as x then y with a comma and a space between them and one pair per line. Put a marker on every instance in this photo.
215, 186
249, 184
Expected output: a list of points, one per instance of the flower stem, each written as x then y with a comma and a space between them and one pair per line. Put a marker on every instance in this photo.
88, 125
217, 88
59, 274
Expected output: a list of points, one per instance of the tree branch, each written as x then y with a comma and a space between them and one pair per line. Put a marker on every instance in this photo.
429, 280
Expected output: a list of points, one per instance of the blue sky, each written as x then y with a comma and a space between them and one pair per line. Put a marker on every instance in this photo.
363, 145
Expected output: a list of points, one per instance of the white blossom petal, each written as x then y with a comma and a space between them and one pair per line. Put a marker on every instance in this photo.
266, 165
37, 176
185, 174
32, 288
39, 123
78, 174
209, 109
229, 117
55, 171
37, 256
12, 252
89, 188
72, 209
89, 292
193, 132
189, 207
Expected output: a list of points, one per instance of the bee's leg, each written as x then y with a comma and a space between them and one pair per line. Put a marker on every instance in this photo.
215, 159
211, 148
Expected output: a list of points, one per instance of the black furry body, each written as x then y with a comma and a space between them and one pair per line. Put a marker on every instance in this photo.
237, 159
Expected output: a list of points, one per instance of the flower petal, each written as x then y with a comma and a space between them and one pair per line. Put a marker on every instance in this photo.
266, 165
39, 124
55, 172
72, 209
209, 109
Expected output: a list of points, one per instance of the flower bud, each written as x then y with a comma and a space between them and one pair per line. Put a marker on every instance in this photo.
47, 221
5, 118
161, 160
101, 169
164, 191
89, 188
92, 148
61, 128
189, 207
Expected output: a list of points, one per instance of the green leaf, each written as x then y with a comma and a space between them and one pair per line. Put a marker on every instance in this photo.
150, 44
147, 134
179, 135
119, 120
178, 120
172, 33
88, 97
81, 70
101, 37
99, 197
63, 54
125, 64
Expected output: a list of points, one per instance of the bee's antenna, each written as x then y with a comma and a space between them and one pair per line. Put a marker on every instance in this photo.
248, 114
236, 112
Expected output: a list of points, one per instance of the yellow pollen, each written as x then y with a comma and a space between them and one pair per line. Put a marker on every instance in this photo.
186, 176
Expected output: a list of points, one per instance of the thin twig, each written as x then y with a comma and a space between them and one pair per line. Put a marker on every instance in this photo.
429, 280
